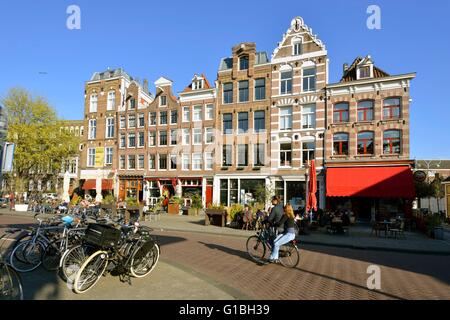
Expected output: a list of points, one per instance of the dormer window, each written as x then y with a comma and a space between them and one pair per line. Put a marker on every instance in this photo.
365, 72
197, 84
243, 63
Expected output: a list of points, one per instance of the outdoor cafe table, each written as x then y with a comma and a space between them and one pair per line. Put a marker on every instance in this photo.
386, 225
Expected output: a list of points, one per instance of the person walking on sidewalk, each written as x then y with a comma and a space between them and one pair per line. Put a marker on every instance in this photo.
11, 201
288, 232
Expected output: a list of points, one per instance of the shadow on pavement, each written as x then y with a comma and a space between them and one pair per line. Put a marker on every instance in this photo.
233, 252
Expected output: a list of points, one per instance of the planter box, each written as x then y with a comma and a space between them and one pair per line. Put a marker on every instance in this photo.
215, 217
173, 208
194, 212
129, 210
21, 207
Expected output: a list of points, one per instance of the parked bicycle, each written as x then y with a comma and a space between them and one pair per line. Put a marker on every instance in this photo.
262, 243
10, 281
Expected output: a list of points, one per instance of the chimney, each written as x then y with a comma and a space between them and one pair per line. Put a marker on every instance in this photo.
345, 67
146, 86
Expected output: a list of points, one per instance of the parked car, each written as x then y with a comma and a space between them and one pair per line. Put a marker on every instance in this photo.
4, 202
50, 196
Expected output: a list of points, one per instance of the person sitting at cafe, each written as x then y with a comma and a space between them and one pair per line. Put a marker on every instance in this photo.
247, 217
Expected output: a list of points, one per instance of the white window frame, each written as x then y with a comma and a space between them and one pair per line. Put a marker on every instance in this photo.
108, 125
297, 43
167, 120
206, 135
143, 163
159, 161
310, 117
195, 133
184, 158
122, 156
107, 149
170, 162
280, 116
285, 151
128, 161
128, 140
150, 120
209, 107
89, 155
209, 156
186, 133
111, 103
286, 80
149, 136
154, 161
120, 140
160, 101
138, 139
93, 102
186, 108
128, 121
196, 113
199, 156
92, 129
122, 122
170, 137
309, 77
139, 120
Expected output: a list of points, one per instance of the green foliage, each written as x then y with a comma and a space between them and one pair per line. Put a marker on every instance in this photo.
196, 202
177, 200
437, 189
216, 206
41, 144
132, 202
236, 209
433, 221
423, 189
109, 199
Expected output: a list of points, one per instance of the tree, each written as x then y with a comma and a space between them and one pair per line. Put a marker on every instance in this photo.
437, 190
41, 143
423, 190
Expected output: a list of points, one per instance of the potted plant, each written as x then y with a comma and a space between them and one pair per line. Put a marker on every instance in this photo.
196, 205
174, 206
434, 227
236, 211
108, 202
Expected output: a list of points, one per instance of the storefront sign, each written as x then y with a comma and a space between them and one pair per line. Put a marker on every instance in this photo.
420, 176
99, 157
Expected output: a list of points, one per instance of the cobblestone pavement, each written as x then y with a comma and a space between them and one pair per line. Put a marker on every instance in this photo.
323, 272
201, 265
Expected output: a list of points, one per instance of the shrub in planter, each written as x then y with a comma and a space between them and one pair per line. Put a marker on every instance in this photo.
196, 205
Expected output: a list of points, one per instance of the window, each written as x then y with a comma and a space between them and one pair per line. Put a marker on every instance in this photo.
186, 114
141, 121
163, 162
93, 103
365, 142
364, 72
309, 116
308, 151
122, 162
297, 47
260, 89
186, 137
109, 127
196, 161
258, 153
309, 79
243, 63
285, 154
209, 135
209, 112
122, 142
340, 112
173, 117
286, 82
391, 142
132, 104
111, 104
242, 155
243, 122
259, 121
365, 110
286, 118
163, 117
131, 140
243, 91
151, 161
162, 101
197, 135
122, 122
173, 137
141, 162
173, 162
108, 155
209, 160
141, 139
227, 123
197, 113
163, 138
185, 161
152, 119
228, 93
91, 157
131, 121
340, 144
152, 138
131, 161
224, 192
227, 154
92, 128
392, 108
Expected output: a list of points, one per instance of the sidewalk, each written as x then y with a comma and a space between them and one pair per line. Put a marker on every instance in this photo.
359, 237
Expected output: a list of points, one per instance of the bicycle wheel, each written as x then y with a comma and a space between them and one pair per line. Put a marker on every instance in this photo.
289, 255
31, 252
52, 255
72, 260
144, 259
90, 271
10, 283
21, 239
256, 248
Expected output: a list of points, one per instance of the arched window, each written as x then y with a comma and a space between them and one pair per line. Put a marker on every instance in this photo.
340, 144
286, 80
93, 103
365, 110
392, 142
392, 108
111, 100
340, 112
365, 142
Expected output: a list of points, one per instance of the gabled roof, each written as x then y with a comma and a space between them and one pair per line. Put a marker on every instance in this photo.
206, 86
433, 164
350, 74
162, 82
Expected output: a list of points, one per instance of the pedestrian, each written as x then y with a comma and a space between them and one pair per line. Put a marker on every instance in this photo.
11, 201
247, 218
286, 224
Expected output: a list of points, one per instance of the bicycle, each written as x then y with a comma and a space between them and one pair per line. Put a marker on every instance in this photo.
129, 251
261, 243
10, 281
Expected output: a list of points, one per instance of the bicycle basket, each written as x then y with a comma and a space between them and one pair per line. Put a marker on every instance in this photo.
102, 235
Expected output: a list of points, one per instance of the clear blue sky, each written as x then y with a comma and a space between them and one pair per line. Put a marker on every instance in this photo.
179, 38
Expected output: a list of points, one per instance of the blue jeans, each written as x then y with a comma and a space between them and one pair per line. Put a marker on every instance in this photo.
279, 241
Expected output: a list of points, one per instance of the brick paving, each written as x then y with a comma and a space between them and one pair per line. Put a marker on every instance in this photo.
323, 273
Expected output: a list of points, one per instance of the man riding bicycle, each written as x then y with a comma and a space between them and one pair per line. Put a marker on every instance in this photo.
275, 216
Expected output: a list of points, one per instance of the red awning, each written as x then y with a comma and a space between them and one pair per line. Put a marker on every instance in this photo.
107, 184
371, 182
